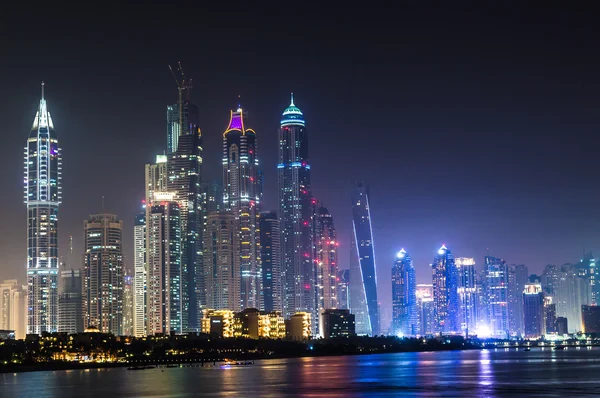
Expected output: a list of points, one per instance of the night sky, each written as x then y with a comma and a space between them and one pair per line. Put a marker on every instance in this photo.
476, 128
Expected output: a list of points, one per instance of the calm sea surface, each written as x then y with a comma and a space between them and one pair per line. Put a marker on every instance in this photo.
569, 373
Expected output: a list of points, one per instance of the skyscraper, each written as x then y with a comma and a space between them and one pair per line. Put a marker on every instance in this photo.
188, 118
325, 257
363, 233
270, 254
295, 212
140, 275
70, 302
184, 170
241, 196
128, 292
103, 273
221, 265
343, 283
445, 292
425, 309
42, 196
358, 301
497, 296
163, 245
13, 311
404, 296
517, 279
571, 292
467, 293
533, 311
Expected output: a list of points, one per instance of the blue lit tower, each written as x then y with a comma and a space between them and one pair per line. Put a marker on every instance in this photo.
295, 213
241, 196
42, 196
404, 295
497, 295
445, 292
363, 233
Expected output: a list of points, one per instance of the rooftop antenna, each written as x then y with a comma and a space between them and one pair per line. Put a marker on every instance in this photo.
43, 84
102, 203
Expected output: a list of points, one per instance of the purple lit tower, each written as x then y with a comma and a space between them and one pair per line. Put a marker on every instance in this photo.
241, 196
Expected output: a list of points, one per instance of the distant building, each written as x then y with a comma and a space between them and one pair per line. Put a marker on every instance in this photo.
445, 292
562, 326
517, 279
356, 288
336, 323
467, 293
249, 323
13, 308
103, 273
128, 304
549, 315
533, 310
270, 254
343, 286
70, 302
497, 283
571, 291
325, 256
404, 298
298, 327
221, 262
591, 319
140, 275
363, 234
425, 309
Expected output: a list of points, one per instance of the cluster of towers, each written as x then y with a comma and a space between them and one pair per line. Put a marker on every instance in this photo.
501, 301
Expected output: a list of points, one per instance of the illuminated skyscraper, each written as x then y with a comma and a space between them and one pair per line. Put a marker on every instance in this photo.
467, 293
533, 311
103, 273
270, 255
404, 296
343, 283
497, 294
445, 292
326, 258
43, 196
163, 245
70, 302
517, 279
127, 303
13, 298
363, 234
221, 262
140, 275
184, 170
241, 196
425, 309
295, 213
189, 116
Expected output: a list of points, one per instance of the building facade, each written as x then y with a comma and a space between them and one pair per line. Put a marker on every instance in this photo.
467, 294
70, 302
365, 250
335, 323
356, 289
270, 254
241, 196
325, 255
343, 288
533, 311
404, 296
140, 275
42, 178
295, 214
445, 292
13, 307
517, 279
497, 294
103, 273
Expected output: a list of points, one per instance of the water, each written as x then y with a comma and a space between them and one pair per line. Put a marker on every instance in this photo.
501, 373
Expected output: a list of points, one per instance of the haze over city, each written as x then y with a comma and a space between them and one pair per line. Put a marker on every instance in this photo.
478, 138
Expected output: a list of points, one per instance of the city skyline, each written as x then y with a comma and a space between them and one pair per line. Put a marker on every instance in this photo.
483, 214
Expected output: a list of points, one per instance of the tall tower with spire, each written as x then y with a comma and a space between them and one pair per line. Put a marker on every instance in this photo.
42, 180
295, 214
241, 196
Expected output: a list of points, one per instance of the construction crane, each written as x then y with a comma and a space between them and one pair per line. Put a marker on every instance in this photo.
183, 84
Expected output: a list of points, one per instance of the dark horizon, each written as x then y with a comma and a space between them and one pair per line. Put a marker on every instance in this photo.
473, 128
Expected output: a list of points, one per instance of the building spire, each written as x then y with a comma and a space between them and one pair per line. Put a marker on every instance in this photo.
43, 84
292, 99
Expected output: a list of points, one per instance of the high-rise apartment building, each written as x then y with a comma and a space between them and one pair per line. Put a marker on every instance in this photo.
497, 294
570, 293
445, 292
467, 294
533, 311
325, 257
103, 273
140, 275
404, 296
295, 214
13, 309
241, 196
164, 283
270, 254
363, 235
42, 178
343, 289
425, 309
517, 279
221, 266
70, 302
128, 292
